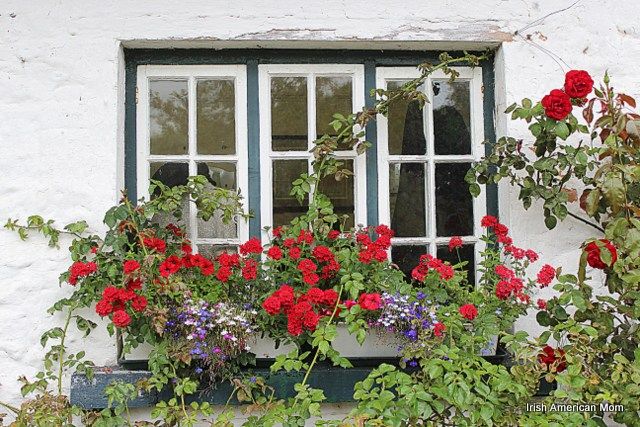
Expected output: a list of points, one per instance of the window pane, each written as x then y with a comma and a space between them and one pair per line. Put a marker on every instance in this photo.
212, 251
407, 199
285, 206
466, 254
406, 257
406, 129
454, 204
333, 95
451, 117
289, 113
219, 175
216, 117
341, 194
169, 116
172, 174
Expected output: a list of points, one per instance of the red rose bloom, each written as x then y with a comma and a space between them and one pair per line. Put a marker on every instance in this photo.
349, 303
542, 304
272, 305
469, 311
557, 104
104, 308
80, 269
546, 275
275, 253
121, 319
370, 301
454, 243
500, 229
438, 329
130, 265
134, 284
330, 297
251, 246
504, 272
315, 295
593, 254
578, 83
139, 303
310, 320
531, 255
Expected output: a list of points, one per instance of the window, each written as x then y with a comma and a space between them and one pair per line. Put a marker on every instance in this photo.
192, 121
248, 119
423, 156
297, 103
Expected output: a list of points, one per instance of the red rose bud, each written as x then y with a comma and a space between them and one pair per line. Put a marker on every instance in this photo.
594, 254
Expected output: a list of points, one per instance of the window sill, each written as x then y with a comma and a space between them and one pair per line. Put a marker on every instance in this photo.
337, 383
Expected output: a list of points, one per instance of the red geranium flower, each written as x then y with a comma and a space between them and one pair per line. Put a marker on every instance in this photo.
454, 243
594, 258
104, 308
542, 304
121, 319
139, 303
272, 305
295, 253
130, 265
250, 269
223, 273
315, 295
370, 301
333, 234
154, 243
330, 297
275, 253
468, 311
438, 329
546, 275
251, 246
531, 255
488, 221
557, 104
170, 266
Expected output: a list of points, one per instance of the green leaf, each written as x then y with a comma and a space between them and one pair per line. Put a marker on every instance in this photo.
550, 222
562, 130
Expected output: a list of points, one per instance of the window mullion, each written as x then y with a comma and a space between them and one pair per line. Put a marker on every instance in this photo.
311, 122
193, 168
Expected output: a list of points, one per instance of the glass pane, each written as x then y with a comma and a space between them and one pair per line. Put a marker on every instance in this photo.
172, 174
341, 194
454, 204
451, 117
407, 257
216, 117
406, 128
219, 175
285, 206
212, 251
289, 113
333, 95
169, 116
466, 254
407, 199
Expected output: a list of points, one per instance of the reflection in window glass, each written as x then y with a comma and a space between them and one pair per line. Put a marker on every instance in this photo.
289, 113
407, 257
341, 194
451, 117
333, 95
172, 175
212, 251
466, 254
406, 126
285, 206
169, 116
454, 204
219, 175
216, 127
407, 199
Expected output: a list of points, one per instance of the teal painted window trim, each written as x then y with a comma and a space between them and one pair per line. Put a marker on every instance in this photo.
254, 57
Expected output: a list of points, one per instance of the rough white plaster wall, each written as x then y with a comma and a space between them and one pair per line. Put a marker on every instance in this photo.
61, 106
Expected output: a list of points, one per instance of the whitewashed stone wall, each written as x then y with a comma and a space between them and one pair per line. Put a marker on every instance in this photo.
61, 106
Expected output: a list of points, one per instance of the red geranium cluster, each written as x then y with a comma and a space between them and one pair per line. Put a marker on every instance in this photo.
81, 269
304, 311
550, 356
116, 301
154, 243
468, 311
428, 263
502, 234
577, 85
594, 258
546, 275
509, 284
374, 249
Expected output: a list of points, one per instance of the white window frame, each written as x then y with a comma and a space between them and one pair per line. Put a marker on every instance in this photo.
267, 155
474, 77
192, 73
